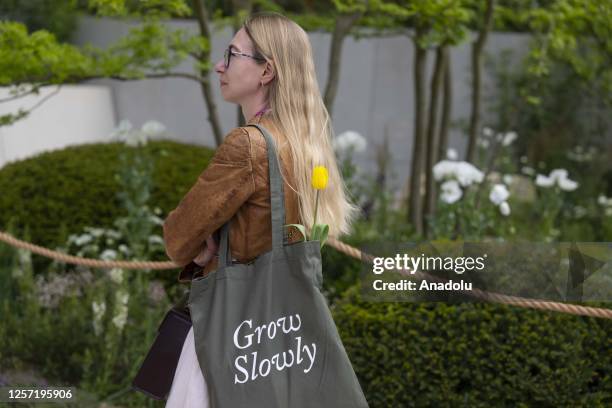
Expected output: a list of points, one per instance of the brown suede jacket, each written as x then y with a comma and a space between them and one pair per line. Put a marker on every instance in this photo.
235, 185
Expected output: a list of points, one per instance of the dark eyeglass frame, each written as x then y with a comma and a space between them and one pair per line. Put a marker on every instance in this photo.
227, 56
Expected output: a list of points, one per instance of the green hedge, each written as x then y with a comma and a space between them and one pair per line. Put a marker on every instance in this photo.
75, 187
475, 354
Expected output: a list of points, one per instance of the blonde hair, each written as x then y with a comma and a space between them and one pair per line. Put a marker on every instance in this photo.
298, 110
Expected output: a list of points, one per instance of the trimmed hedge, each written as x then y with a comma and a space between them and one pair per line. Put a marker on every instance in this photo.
475, 354
76, 187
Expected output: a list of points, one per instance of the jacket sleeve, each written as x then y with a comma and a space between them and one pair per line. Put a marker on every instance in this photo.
217, 195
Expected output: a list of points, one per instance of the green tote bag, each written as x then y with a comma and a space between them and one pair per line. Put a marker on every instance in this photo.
264, 335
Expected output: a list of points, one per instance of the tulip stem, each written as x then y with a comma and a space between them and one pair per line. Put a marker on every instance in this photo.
315, 214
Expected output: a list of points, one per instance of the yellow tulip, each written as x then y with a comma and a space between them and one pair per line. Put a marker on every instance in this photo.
319, 177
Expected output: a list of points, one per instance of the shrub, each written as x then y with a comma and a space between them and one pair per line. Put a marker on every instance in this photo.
76, 187
474, 354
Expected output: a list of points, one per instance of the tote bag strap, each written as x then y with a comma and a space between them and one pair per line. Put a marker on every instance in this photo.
276, 200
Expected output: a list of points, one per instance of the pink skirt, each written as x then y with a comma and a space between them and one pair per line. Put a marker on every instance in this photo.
189, 388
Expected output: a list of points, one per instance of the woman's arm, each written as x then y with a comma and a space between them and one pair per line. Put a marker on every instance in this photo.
217, 195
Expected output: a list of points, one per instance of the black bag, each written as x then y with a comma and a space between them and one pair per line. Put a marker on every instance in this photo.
156, 373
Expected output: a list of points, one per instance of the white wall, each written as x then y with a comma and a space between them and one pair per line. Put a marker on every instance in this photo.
71, 114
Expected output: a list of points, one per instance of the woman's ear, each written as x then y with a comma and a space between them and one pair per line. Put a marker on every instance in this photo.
268, 74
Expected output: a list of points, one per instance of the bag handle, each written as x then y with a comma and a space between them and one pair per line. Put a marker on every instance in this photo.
276, 200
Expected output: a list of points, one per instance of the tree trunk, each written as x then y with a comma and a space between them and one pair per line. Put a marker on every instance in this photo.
343, 25
477, 48
418, 150
382, 164
446, 106
213, 116
432, 134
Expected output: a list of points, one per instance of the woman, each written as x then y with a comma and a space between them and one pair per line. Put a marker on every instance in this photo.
268, 69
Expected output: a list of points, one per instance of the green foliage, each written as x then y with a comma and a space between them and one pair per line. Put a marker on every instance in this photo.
89, 328
76, 186
575, 32
29, 61
474, 354
38, 57
136, 8
568, 129
57, 17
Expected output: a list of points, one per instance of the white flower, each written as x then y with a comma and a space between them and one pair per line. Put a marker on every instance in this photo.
83, 239
509, 138
451, 154
136, 138
122, 130
122, 297
462, 171
95, 232
558, 177
558, 174
123, 248
507, 179
604, 201
131, 137
153, 129
156, 220
499, 194
121, 309
116, 275
484, 143
113, 234
450, 191
108, 255
99, 309
504, 209
488, 132
24, 256
528, 170
156, 239
120, 319
543, 181
567, 184
349, 140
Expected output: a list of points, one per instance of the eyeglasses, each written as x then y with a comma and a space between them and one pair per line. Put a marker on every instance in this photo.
227, 56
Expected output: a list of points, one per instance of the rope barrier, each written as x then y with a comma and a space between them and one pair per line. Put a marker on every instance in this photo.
340, 246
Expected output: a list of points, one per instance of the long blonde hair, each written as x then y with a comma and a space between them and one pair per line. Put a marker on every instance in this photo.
298, 110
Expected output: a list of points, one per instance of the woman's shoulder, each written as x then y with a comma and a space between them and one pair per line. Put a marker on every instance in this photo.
236, 146
248, 141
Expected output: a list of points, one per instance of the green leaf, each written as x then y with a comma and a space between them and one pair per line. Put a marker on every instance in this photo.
324, 233
319, 233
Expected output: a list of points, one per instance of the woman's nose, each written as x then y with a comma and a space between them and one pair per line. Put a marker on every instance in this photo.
220, 67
